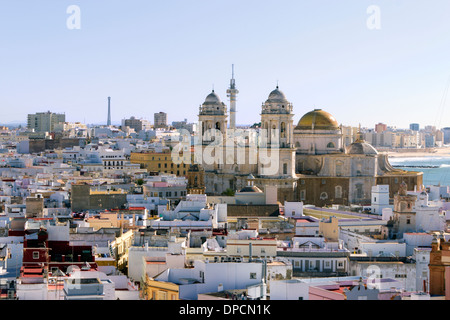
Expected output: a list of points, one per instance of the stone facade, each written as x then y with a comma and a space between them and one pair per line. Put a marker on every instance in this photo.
83, 198
312, 164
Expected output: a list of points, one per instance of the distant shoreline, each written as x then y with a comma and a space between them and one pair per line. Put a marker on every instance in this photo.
438, 152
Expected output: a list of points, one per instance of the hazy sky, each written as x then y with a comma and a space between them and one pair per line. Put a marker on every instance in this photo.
152, 56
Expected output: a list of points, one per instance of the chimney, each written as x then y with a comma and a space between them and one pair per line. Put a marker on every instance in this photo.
109, 112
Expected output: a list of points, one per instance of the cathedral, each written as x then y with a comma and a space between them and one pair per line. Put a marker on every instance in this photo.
313, 165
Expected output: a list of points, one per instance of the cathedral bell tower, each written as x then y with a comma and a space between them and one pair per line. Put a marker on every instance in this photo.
212, 115
277, 125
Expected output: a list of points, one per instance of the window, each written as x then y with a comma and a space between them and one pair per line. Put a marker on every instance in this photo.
330, 145
285, 168
340, 264
338, 192
359, 191
408, 221
35, 254
327, 264
339, 169
263, 250
362, 298
252, 275
303, 195
283, 130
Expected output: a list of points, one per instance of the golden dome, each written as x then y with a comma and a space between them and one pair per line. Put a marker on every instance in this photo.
317, 120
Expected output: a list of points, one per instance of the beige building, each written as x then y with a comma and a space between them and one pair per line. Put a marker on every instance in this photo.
44, 121
254, 248
329, 229
313, 163
404, 213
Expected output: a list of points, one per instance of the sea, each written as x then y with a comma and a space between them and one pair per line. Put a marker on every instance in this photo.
436, 169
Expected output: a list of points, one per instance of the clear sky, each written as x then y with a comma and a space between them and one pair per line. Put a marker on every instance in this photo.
152, 56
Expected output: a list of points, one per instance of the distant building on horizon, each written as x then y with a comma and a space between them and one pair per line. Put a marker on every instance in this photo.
380, 127
136, 124
160, 120
414, 127
183, 125
446, 132
45, 121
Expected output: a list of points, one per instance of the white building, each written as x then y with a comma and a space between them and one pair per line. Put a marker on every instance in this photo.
405, 273
136, 255
439, 192
212, 277
422, 258
293, 209
380, 198
383, 248
415, 240
192, 213
428, 217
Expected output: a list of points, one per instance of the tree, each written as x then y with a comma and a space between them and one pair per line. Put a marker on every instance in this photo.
229, 192
140, 182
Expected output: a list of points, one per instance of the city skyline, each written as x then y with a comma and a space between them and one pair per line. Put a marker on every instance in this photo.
152, 57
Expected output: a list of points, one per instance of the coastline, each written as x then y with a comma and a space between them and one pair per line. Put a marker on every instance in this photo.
436, 152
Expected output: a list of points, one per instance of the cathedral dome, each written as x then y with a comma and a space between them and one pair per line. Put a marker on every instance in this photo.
277, 96
212, 98
317, 120
361, 147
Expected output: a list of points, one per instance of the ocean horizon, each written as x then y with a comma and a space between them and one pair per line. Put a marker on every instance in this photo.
436, 169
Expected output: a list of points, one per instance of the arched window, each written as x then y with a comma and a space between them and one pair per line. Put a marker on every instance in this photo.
338, 169
330, 145
283, 130
218, 125
285, 168
338, 192
323, 196
297, 144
